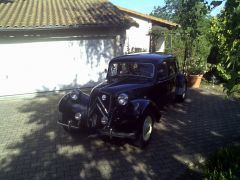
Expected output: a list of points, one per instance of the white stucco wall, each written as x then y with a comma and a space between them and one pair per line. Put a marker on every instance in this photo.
160, 47
137, 37
53, 65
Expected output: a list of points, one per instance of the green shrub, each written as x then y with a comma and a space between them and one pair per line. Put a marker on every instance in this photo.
224, 164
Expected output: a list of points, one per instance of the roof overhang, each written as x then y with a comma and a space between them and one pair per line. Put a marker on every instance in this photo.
154, 20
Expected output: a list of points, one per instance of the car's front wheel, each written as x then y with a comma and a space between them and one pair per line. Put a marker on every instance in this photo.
145, 132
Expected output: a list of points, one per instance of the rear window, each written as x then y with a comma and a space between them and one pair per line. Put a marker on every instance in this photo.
162, 71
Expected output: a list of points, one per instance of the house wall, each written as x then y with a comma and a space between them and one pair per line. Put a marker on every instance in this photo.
160, 44
46, 64
137, 37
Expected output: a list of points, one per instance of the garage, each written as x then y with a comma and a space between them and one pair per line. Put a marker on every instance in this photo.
56, 45
53, 65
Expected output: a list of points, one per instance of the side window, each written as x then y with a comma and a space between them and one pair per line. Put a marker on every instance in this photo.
162, 71
172, 69
113, 70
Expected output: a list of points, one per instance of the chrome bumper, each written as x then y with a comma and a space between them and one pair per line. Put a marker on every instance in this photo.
69, 125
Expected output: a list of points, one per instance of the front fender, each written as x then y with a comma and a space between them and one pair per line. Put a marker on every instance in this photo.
143, 105
67, 105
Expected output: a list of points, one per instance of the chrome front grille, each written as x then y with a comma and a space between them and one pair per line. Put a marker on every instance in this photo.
102, 106
96, 102
106, 103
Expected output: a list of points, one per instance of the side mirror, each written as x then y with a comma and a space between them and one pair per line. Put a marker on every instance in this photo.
105, 70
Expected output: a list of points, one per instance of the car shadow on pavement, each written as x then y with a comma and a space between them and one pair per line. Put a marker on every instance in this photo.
33, 146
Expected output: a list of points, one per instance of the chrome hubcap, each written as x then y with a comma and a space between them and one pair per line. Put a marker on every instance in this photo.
183, 96
147, 128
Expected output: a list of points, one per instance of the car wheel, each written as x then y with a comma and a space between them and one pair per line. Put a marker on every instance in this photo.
182, 97
145, 132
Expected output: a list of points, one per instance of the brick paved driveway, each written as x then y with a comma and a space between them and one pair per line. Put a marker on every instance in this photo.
32, 146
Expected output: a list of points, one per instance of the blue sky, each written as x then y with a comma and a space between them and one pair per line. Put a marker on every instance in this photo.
146, 6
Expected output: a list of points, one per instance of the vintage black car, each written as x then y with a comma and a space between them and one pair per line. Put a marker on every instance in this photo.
128, 102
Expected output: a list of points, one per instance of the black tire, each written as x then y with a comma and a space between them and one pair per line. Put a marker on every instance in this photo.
182, 97
144, 134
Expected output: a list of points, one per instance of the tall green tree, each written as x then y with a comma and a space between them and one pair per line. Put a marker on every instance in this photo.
226, 35
191, 15
168, 11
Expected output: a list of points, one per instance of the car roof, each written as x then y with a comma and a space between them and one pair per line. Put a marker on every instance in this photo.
155, 58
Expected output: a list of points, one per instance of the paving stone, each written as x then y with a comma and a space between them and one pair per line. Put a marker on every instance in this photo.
33, 146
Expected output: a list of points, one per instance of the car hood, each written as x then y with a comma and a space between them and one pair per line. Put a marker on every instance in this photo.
124, 85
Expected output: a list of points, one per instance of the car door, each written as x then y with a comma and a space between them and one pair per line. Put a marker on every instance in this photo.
172, 72
161, 85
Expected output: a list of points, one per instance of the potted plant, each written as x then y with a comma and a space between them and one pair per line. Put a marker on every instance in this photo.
195, 71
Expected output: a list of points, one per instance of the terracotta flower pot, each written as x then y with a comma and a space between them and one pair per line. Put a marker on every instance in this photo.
194, 81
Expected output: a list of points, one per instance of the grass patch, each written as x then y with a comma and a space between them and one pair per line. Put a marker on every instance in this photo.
224, 164
212, 87
219, 88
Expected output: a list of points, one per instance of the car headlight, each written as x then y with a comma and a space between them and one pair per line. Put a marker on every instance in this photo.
123, 99
78, 116
74, 95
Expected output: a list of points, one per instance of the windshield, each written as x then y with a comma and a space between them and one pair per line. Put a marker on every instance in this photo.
126, 69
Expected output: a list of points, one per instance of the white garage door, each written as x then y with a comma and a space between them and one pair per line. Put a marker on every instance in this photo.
54, 65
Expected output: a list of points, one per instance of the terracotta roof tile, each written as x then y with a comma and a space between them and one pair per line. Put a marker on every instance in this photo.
25, 14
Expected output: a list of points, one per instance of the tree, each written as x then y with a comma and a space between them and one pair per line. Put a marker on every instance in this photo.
191, 15
168, 12
226, 35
